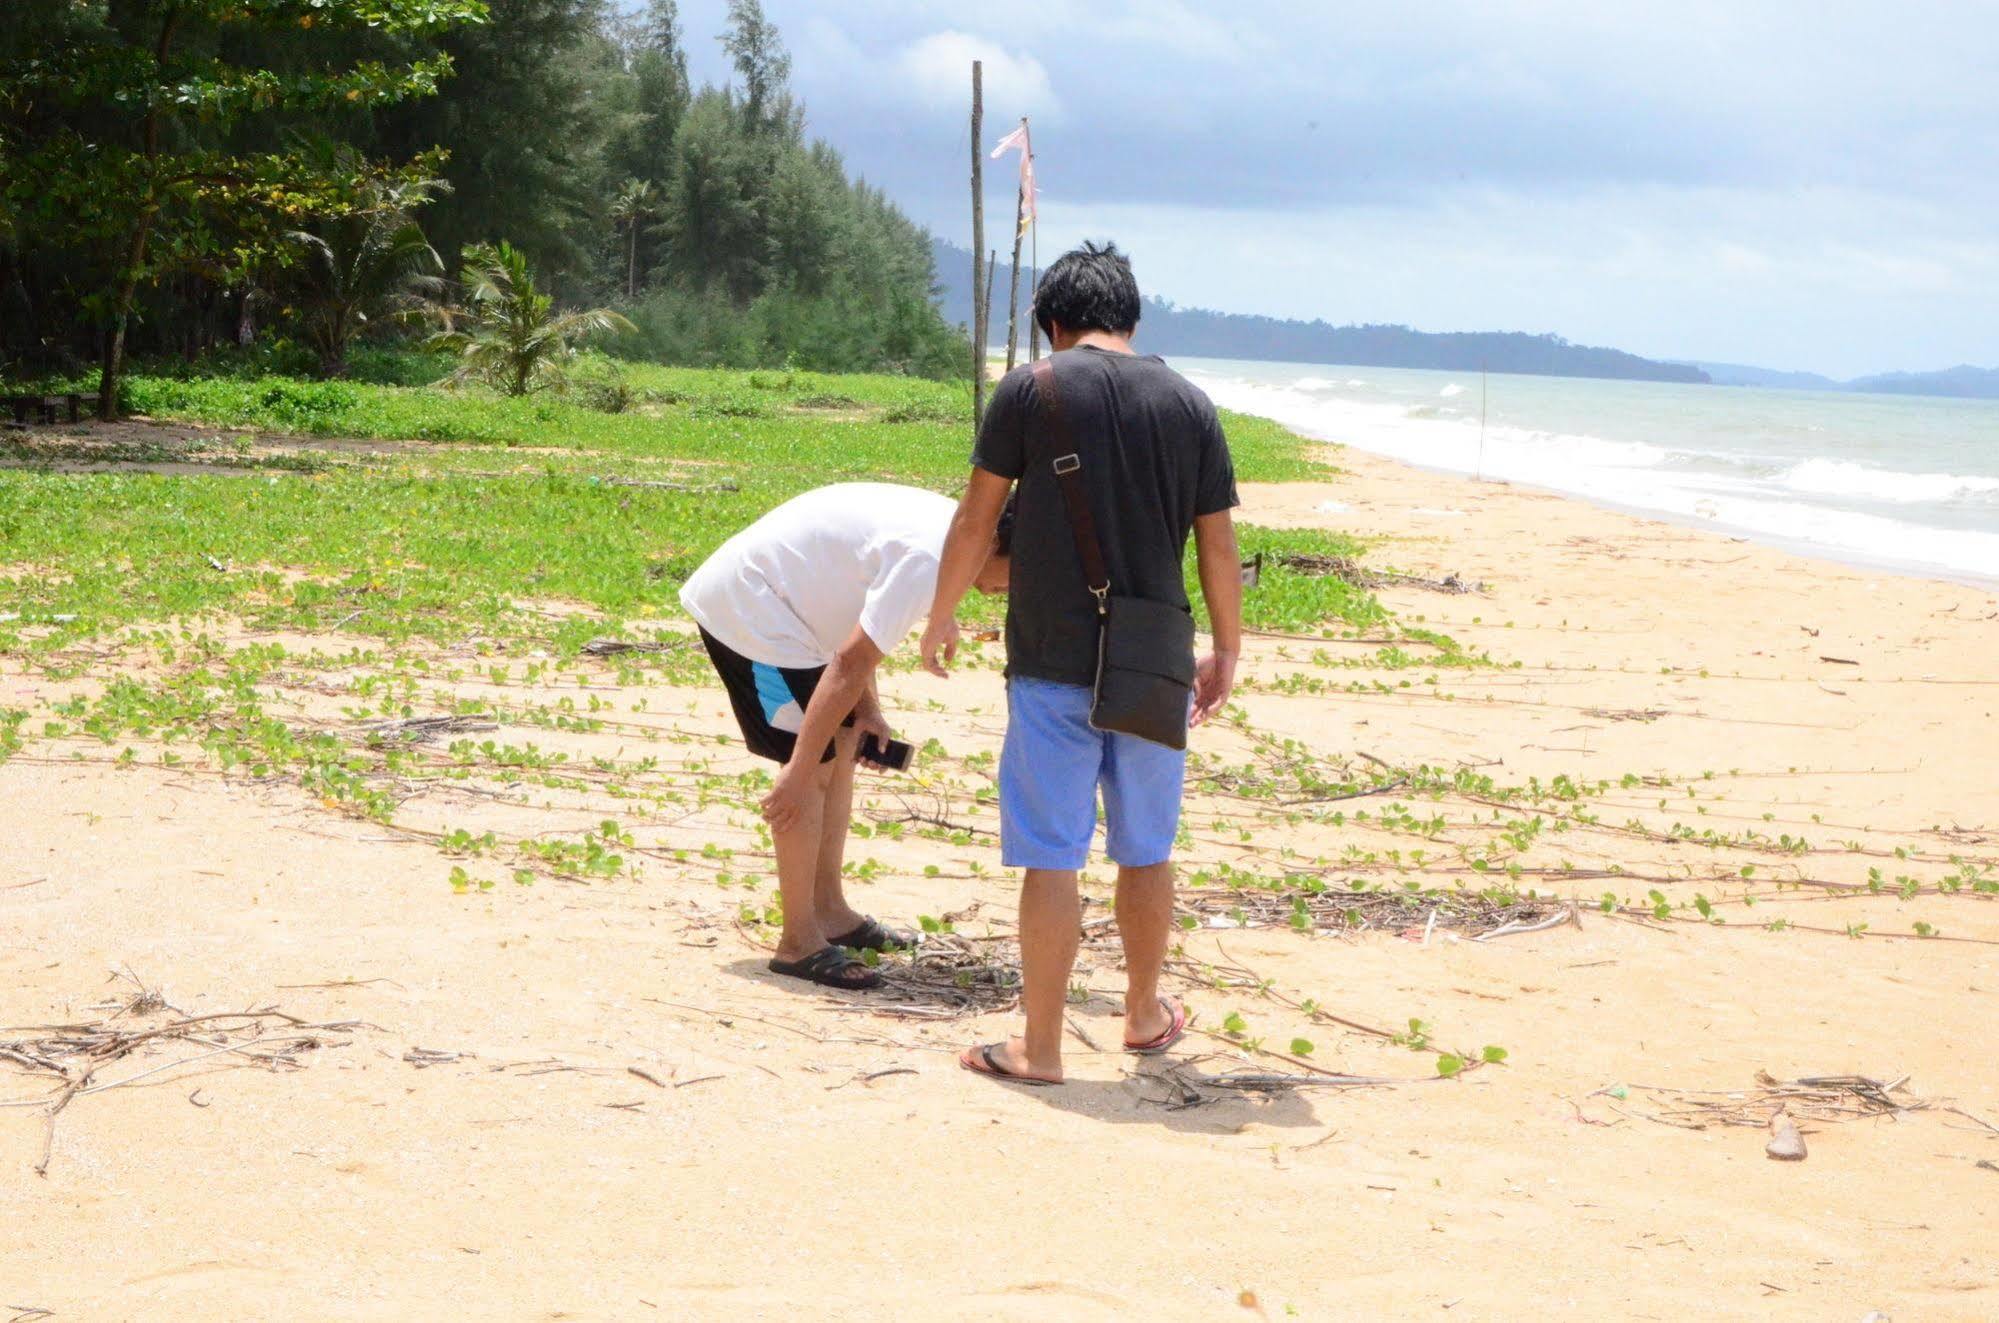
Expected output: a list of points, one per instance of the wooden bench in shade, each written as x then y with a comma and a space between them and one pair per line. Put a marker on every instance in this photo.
44, 408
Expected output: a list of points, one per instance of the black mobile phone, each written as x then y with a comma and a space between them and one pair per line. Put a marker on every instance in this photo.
891, 755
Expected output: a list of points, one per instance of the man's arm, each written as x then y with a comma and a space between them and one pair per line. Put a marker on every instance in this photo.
1221, 588
966, 548
840, 689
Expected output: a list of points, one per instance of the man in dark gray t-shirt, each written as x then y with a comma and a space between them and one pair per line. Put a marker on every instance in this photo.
1156, 468
1157, 461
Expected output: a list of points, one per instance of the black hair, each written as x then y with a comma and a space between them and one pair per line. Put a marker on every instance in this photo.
1088, 289
1003, 531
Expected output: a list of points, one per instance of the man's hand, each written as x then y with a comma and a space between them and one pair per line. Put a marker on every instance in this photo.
1214, 680
940, 644
786, 801
966, 549
870, 720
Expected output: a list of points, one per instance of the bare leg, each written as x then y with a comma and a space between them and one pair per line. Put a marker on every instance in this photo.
797, 852
836, 917
1051, 919
1145, 925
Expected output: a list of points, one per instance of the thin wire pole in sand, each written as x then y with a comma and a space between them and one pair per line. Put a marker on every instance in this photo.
1479, 476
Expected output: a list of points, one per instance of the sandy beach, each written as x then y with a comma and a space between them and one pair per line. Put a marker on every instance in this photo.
583, 1100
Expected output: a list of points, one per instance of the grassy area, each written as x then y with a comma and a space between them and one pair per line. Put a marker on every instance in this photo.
441, 540
885, 427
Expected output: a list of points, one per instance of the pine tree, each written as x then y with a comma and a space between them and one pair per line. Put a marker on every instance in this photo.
156, 184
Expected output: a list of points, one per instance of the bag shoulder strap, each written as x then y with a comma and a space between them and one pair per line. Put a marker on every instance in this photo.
1075, 494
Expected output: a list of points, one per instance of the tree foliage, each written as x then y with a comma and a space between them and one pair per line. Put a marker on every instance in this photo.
367, 264
127, 130
184, 172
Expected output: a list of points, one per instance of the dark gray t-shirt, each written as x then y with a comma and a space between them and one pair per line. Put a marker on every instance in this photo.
1154, 459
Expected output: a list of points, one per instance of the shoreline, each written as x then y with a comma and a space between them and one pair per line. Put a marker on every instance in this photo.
1797, 548
1804, 524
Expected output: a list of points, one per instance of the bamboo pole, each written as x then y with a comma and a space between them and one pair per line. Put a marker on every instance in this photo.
1013, 272
978, 242
986, 315
1033, 286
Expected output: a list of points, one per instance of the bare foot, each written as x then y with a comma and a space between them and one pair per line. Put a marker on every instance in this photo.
1009, 1060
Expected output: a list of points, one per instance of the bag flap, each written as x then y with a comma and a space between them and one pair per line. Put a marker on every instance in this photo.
1151, 638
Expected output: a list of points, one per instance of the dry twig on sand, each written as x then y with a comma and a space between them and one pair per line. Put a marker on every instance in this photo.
421, 730
614, 647
1348, 570
1188, 1087
1360, 911
73, 1054
1827, 1099
949, 976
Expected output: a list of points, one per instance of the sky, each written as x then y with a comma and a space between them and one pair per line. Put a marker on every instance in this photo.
1806, 186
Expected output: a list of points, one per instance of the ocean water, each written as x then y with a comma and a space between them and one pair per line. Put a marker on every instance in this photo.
1890, 480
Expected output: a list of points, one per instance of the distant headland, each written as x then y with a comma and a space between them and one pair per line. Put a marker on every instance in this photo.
1199, 333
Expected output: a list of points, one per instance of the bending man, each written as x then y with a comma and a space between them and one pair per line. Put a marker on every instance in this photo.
797, 610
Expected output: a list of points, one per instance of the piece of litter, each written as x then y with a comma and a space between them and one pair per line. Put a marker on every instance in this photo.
1786, 1144
1332, 507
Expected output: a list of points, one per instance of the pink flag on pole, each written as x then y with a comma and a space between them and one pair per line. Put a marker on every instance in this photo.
1019, 139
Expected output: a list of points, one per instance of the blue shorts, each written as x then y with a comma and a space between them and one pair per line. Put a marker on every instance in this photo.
1051, 768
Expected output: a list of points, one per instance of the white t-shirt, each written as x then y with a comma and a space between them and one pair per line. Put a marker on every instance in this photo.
789, 589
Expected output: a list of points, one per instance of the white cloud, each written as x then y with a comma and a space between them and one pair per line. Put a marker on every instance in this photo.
1794, 182
938, 70
1839, 282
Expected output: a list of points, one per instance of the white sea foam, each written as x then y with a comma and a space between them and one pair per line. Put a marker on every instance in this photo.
1702, 459
1838, 477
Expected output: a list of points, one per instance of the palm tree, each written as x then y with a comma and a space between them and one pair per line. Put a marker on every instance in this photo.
370, 263
634, 204
511, 334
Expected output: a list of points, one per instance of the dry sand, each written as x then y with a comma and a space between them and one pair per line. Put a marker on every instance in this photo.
775, 1171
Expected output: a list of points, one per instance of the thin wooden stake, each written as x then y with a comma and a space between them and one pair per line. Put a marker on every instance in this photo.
1013, 272
978, 242
1034, 284
1479, 475
986, 313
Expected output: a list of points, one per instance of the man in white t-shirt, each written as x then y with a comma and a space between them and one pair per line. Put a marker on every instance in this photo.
797, 611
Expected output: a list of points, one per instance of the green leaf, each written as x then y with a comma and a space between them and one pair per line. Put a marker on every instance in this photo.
1449, 1065
1493, 1054
1235, 1025
1701, 903
1301, 1047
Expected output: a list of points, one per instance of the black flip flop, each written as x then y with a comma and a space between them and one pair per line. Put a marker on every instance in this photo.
993, 1068
830, 967
874, 935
